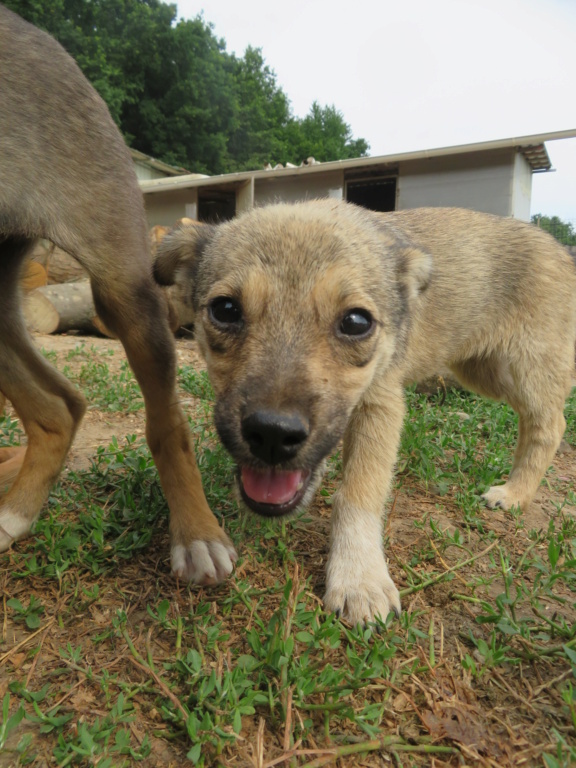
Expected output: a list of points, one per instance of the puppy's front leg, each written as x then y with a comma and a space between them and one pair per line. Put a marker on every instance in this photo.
358, 585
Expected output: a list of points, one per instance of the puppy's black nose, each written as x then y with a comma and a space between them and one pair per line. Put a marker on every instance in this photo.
274, 437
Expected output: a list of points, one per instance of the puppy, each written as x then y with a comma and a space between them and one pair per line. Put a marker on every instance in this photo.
66, 175
313, 317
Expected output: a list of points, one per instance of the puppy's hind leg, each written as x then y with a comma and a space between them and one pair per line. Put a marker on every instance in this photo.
537, 392
540, 431
48, 405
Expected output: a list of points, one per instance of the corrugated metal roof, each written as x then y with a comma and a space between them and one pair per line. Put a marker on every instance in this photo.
532, 147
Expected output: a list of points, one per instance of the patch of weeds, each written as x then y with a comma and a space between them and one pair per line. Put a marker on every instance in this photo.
217, 470
10, 431
493, 653
9, 722
565, 756
106, 740
87, 352
570, 412
50, 355
215, 464
106, 391
296, 657
117, 502
195, 383
29, 614
522, 626
467, 442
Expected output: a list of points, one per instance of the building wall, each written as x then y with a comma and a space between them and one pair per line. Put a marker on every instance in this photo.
482, 181
166, 208
494, 181
294, 188
521, 188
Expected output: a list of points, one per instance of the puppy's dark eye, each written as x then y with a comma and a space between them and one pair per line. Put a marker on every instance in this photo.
356, 322
224, 311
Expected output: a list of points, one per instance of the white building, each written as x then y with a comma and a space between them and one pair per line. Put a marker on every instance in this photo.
493, 176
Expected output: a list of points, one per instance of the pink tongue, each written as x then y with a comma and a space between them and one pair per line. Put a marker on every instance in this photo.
270, 486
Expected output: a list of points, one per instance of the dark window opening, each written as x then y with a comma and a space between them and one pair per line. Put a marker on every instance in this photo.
374, 194
215, 206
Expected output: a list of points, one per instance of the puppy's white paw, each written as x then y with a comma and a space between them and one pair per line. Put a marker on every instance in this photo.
358, 586
204, 562
362, 603
12, 527
502, 496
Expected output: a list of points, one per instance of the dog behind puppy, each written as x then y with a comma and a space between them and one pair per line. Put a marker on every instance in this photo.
313, 317
66, 175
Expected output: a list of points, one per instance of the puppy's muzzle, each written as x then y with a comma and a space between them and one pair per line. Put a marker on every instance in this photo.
274, 437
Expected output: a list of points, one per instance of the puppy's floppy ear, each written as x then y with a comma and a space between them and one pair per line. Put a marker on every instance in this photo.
415, 268
179, 251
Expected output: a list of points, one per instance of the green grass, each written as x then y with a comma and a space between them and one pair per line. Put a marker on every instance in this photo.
105, 660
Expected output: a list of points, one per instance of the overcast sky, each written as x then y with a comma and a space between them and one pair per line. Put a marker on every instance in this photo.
419, 74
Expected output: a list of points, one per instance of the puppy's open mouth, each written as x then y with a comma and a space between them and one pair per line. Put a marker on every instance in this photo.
273, 492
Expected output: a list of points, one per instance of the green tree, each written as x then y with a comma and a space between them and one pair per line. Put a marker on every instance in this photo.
177, 94
262, 114
324, 135
563, 231
118, 44
186, 110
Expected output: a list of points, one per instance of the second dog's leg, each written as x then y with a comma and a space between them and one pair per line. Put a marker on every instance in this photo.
358, 585
201, 551
48, 405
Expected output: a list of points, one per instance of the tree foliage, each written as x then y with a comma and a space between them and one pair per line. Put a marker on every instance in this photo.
178, 95
563, 231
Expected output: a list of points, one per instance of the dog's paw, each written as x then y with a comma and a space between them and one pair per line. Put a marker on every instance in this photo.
204, 562
362, 604
12, 527
358, 586
502, 497
360, 589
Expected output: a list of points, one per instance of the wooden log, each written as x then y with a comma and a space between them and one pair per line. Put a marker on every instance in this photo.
63, 268
59, 265
39, 313
33, 276
66, 303
74, 304
62, 308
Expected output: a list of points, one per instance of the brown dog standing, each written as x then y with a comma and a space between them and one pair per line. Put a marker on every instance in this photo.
66, 175
314, 316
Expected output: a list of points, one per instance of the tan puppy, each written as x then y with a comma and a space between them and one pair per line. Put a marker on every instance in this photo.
314, 316
66, 175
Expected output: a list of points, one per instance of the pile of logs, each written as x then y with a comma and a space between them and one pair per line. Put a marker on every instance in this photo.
58, 297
